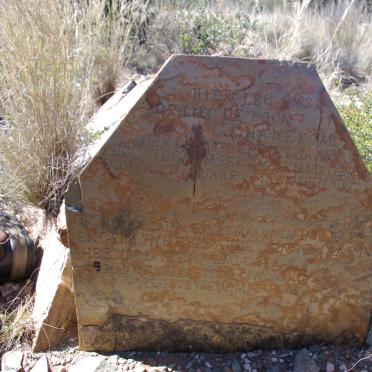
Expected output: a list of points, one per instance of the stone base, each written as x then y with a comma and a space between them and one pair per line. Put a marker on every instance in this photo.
126, 333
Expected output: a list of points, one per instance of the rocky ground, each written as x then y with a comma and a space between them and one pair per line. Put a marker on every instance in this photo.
314, 358
67, 358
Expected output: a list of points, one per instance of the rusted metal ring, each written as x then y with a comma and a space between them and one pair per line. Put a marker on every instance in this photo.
16, 250
4, 237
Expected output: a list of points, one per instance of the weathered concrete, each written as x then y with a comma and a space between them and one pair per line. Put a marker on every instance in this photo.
229, 209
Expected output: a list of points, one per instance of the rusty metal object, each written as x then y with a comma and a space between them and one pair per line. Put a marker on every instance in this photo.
16, 250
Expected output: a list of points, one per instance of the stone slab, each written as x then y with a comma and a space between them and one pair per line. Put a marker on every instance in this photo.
54, 310
228, 210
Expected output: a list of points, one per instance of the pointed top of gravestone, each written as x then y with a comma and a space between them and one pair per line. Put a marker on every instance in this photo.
228, 210
296, 86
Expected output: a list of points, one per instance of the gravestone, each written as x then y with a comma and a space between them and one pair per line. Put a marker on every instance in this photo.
228, 210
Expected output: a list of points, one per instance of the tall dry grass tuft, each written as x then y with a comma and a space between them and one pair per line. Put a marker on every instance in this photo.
57, 58
44, 94
104, 38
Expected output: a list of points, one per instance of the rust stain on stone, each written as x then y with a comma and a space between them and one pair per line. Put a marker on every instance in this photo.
323, 102
196, 151
164, 126
152, 97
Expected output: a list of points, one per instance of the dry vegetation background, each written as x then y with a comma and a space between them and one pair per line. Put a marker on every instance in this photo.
61, 59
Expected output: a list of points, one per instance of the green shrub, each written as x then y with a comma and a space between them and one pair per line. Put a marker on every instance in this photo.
336, 37
203, 32
357, 115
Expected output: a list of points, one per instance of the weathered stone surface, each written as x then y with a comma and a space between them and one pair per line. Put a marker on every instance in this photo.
54, 311
229, 209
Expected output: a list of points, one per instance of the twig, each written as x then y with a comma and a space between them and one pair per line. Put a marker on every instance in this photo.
367, 357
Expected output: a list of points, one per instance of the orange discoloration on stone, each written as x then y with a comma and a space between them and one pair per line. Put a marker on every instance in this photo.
152, 98
230, 210
164, 126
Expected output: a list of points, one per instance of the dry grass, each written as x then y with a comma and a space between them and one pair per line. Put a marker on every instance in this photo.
16, 322
56, 59
104, 38
336, 37
44, 96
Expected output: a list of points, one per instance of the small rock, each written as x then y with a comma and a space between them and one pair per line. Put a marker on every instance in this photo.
12, 361
9, 290
67, 359
235, 366
273, 369
342, 367
247, 367
95, 364
330, 367
258, 364
41, 365
113, 359
252, 354
274, 360
208, 365
189, 364
303, 362
55, 361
